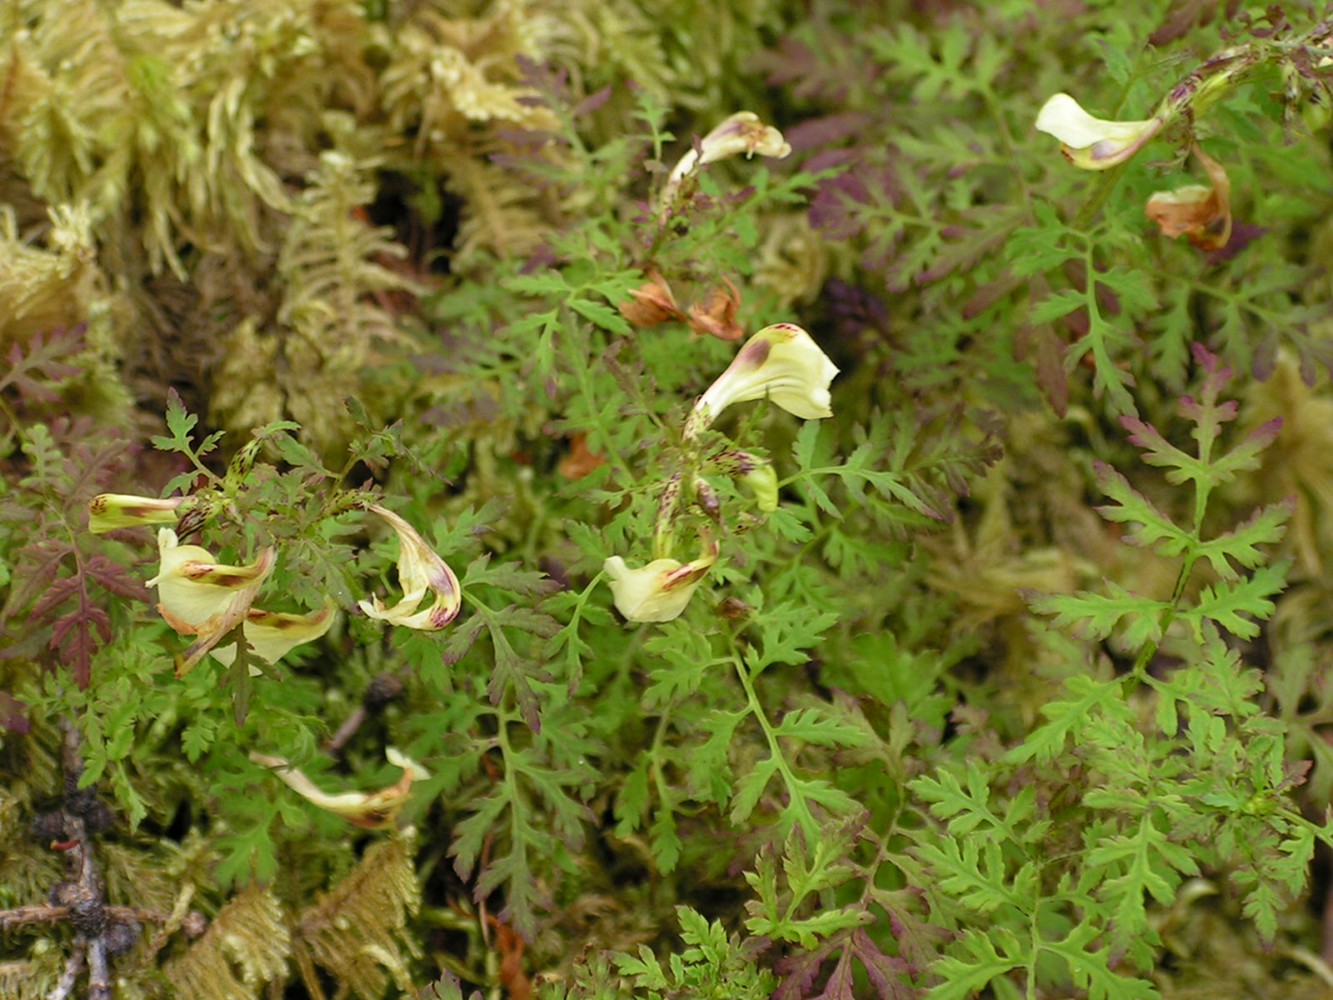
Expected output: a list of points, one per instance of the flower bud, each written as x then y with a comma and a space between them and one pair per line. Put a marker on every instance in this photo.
111, 511
755, 472
709, 502
763, 483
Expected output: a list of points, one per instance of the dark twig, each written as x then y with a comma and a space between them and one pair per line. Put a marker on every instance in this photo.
85, 896
23, 916
70, 977
385, 688
101, 931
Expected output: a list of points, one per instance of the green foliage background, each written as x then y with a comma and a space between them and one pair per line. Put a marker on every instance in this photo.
1018, 693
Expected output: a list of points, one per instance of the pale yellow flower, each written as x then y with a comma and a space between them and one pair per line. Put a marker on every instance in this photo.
781, 363
660, 591
1093, 143
420, 572
371, 810
197, 595
110, 511
740, 134
196, 592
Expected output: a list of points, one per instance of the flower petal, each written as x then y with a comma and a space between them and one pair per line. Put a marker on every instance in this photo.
1201, 213
274, 634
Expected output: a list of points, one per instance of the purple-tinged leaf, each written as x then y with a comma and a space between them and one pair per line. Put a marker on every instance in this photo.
888, 974
116, 579
842, 982
800, 971
461, 639
73, 637
39, 564
13, 714
55, 595
510, 670
36, 369
1039, 344
815, 134
918, 941
1185, 15
592, 102
885, 972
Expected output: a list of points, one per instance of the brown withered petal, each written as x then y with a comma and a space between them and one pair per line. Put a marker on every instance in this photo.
716, 315
580, 461
651, 304
1202, 214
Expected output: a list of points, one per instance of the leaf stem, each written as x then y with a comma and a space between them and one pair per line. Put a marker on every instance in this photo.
807, 820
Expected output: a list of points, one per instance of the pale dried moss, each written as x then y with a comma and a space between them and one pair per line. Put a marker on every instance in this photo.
358, 930
246, 946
